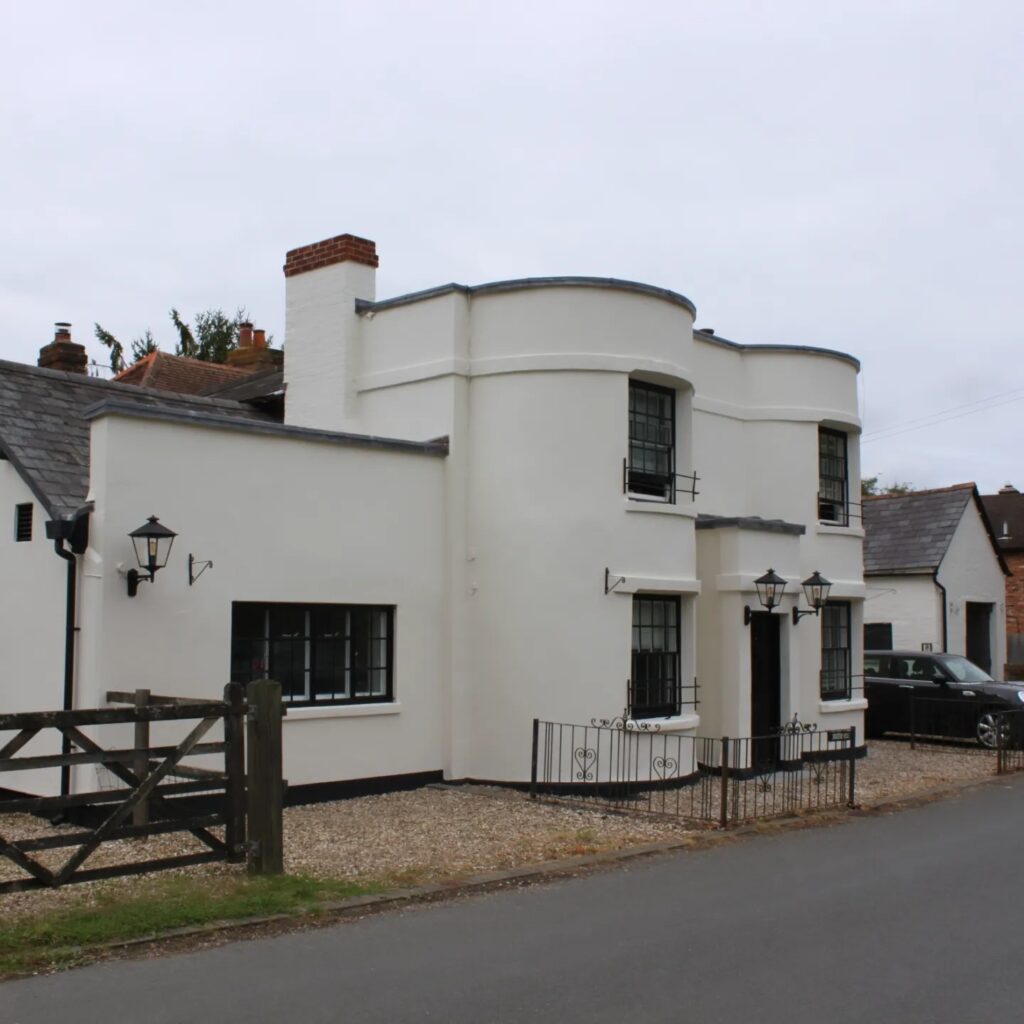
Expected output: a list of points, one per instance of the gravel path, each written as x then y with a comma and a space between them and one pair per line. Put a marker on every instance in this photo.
443, 833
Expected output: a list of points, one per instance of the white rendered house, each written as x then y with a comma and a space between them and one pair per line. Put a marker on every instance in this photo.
538, 498
935, 576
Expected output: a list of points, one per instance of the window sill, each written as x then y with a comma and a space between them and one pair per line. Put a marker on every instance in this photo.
834, 707
677, 723
660, 508
341, 711
833, 529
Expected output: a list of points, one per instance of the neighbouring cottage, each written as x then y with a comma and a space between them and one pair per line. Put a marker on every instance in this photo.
547, 497
1006, 513
935, 575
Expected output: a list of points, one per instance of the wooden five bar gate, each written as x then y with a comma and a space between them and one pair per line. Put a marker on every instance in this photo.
243, 801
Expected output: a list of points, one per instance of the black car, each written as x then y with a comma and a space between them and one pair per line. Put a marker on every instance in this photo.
933, 694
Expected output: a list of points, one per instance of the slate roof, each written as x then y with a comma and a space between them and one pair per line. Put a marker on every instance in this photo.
165, 372
44, 435
1006, 511
253, 386
907, 533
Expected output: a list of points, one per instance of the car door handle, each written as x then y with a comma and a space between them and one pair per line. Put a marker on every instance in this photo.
906, 686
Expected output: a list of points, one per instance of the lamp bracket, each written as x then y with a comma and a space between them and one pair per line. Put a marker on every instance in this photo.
611, 582
196, 568
798, 614
135, 577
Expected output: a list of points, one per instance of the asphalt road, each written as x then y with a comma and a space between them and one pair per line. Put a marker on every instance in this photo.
911, 918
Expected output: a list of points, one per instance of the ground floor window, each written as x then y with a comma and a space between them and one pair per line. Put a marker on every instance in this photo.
320, 653
654, 690
835, 651
877, 636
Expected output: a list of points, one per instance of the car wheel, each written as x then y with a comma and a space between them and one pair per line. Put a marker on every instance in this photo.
986, 731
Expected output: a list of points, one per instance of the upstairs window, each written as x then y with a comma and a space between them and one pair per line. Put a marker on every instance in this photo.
833, 493
320, 654
836, 678
654, 689
23, 522
650, 468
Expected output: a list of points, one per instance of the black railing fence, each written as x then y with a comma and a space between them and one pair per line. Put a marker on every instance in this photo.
626, 765
644, 483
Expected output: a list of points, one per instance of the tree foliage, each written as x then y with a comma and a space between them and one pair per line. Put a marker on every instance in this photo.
212, 335
871, 486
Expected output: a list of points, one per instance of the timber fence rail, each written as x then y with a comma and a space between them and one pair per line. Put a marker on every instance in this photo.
626, 765
153, 780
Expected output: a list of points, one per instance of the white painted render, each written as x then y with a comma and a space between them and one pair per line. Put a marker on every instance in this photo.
495, 555
971, 572
531, 386
32, 599
284, 519
912, 603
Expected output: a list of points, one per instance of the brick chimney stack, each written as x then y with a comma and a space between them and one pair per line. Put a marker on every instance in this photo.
62, 353
252, 352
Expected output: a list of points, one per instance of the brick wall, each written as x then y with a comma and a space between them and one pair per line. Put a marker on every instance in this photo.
330, 251
1015, 592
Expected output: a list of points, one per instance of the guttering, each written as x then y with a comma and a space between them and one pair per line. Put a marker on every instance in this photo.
74, 531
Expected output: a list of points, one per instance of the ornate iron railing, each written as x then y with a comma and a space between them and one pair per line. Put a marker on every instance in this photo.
629, 765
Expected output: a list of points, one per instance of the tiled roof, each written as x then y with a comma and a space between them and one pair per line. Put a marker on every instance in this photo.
907, 532
162, 371
44, 435
1006, 513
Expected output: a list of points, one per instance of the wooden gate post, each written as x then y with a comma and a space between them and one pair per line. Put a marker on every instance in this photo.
140, 765
266, 785
234, 770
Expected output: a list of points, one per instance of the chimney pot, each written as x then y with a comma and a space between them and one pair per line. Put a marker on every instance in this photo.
244, 334
259, 338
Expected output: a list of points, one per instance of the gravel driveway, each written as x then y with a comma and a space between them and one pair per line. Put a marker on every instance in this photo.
442, 833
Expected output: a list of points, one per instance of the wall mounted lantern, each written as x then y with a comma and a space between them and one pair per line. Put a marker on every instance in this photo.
152, 542
770, 587
816, 589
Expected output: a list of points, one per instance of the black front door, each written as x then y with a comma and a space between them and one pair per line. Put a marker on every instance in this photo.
765, 687
979, 635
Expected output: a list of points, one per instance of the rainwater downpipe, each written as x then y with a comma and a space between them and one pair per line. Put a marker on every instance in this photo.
70, 534
945, 612
69, 652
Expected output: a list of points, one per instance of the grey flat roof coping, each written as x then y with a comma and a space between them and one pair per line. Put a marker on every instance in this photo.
708, 522
523, 283
113, 407
769, 347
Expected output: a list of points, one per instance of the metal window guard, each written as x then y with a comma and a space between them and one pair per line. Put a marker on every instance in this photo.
672, 488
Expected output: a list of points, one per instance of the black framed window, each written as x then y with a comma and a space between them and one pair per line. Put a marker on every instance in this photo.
877, 636
320, 653
650, 469
836, 678
833, 489
654, 688
23, 522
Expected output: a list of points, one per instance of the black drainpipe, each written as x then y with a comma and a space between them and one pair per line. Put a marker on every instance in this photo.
76, 532
945, 612
69, 653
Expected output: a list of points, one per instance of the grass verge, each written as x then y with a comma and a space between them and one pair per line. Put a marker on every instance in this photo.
64, 937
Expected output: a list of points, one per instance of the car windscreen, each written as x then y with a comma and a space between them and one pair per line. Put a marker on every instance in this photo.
963, 671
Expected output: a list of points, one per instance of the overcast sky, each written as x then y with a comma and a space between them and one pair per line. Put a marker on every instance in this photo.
847, 175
